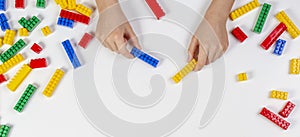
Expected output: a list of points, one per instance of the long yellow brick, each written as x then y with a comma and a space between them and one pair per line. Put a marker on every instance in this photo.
292, 29
244, 9
19, 78
6, 66
279, 95
84, 10
183, 72
53, 83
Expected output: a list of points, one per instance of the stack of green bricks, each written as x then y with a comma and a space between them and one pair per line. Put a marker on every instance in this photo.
4, 130
12, 51
41, 3
262, 18
29, 24
25, 98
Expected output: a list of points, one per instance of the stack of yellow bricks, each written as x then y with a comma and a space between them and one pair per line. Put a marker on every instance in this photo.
23, 32
53, 83
46, 31
9, 37
182, 73
11, 63
279, 95
71, 5
295, 66
291, 27
19, 77
244, 9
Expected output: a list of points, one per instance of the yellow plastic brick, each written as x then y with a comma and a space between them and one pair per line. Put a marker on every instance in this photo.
19, 78
295, 66
84, 10
57, 2
53, 83
1, 42
244, 9
183, 72
279, 95
71, 4
23, 32
46, 31
291, 27
62, 3
9, 37
242, 77
6, 66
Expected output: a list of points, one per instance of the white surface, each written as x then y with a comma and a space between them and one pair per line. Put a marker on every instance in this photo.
238, 116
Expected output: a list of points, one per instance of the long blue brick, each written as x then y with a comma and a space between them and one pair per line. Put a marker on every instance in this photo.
280, 44
3, 5
71, 54
65, 22
144, 57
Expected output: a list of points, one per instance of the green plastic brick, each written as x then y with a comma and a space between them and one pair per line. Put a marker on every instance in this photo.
262, 18
41, 3
30, 24
4, 130
25, 98
12, 51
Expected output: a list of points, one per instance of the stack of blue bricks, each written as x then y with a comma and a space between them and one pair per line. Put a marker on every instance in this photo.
65, 22
280, 44
71, 53
3, 22
3, 5
144, 57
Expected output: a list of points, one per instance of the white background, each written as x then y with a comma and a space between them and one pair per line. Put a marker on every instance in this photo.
238, 115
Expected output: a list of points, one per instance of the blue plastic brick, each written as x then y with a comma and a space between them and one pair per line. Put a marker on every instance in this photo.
3, 5
71, 54
65, 22
280, 44
3, 22
3, 18
144, 57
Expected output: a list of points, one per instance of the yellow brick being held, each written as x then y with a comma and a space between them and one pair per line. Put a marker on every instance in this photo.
46, 31
295, 66
53, 83
84, 10
183, 72
242, 77
71, 4
9, 37
291, 27
279, 95
19, 77
244, 9
6, 66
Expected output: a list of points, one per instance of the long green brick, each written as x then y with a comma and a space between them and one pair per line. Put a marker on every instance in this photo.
30, 24
262, 18
41, 3
24, 98
4, 130
12, 51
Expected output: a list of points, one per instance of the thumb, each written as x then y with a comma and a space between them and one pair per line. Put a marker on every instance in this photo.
132, 38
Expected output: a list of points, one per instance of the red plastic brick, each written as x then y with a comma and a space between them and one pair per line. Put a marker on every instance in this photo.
85, 40
2, 78
38, 63
287, 110
20, 4
36, 48
273, 36
275, 118
239, 34
156, 9
74, 16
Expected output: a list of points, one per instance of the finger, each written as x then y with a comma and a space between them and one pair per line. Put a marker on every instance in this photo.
126, 53
192, 48
121, 44
112, 46
130, 35
202, 59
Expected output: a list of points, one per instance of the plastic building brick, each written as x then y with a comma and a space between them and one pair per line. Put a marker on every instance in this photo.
84, 10
41, 3
2, 78
244, 9
19, 78
85, 40
65, 22
13, 50
275, 118
74, 16
71, 53
291, 27
3, 5
53, 83
46, 31
262, 18
279, 95
3, 22
144, 57
1, 42
30, 24
184, 71
62, 3
280, 44
273, 36
156, 9
36, 48
23, 32
11, 63
242, 77
295, 66
38, 63
3, 17
239, 34
287, 110
4, 130
9, 37
20, 4
27, 94
71, 4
